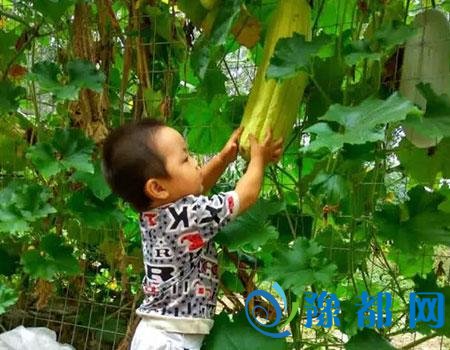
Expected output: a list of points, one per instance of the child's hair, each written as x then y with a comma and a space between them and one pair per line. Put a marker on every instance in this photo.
130, 159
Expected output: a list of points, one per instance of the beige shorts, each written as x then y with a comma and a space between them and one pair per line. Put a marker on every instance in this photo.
147, 337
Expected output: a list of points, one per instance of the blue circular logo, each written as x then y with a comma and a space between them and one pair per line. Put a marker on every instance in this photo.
270, 298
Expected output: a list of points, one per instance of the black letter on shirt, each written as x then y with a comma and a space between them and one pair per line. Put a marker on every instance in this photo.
213, 211
165, 251
182, 216
158, 273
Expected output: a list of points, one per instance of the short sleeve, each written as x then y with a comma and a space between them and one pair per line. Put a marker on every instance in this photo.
214, 212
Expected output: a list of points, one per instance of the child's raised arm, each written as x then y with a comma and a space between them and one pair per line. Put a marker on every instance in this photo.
261, 155
212, 170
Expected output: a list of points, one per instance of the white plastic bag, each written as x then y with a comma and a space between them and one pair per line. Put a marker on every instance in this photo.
32, 338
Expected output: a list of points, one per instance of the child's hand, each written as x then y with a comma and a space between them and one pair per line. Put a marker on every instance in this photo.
269, 150
230, 150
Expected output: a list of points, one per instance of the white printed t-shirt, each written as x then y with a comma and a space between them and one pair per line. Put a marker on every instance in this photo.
181, 272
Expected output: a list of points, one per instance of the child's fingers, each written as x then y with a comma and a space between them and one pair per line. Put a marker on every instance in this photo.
268, 136
279, 142
276, 153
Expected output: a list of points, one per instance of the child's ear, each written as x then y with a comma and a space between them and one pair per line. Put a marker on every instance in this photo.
155, 190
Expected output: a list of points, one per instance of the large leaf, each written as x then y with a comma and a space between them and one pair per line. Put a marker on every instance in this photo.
92, 211
52, 9
435, 123
295, 54
48, 74
213, 84
328, 75
84, 75
424, 164
361, 124
208, 129
10, 96
81, 74
52, 257
333, 187
7, 49
418, 221
224, 21
68, 149
22, 204
96, 182
300, 266
227, 335
392, 34
252, 229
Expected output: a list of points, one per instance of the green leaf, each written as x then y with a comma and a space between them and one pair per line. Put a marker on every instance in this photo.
361, 124
52, 9
213, 84
10, 96
42, 155
69, 148
392, 34
193, 9
300, 266
359, 50
75, 149
334, 14
208, 129
92, 211
337, 248
96, 182
349, 316
7, 49
84, 75
12, 146
445, 206
368, 339
295, 54
417, 221
252, 229
48, 74
51, 258
232, 282
410, 263
8, 263
205, 56
81, 74
226, 334
429, 285
334, 187
435, 123
224, 20
328, 75
424, 164
8, 297
22, 204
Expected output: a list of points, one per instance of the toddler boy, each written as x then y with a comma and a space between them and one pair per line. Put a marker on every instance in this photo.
148, 164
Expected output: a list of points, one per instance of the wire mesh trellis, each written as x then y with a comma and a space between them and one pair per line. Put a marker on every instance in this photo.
86, 322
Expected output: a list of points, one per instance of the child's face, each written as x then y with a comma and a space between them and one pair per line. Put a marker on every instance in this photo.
185, 173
